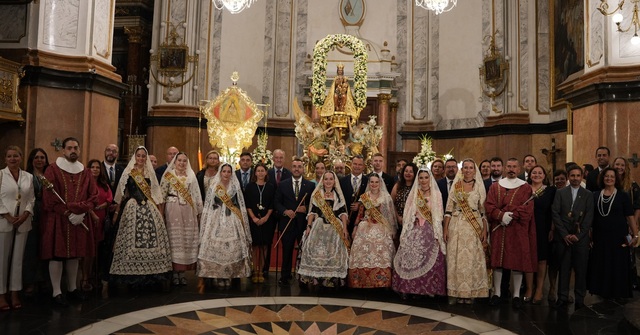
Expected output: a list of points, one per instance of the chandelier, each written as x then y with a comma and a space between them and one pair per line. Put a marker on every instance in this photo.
233, 6
617, 18
438, 6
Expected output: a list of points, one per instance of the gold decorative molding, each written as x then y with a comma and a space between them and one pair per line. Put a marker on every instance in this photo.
384, 98
10, 74
134, 33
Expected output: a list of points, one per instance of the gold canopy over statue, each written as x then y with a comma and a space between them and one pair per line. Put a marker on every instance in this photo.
232, 120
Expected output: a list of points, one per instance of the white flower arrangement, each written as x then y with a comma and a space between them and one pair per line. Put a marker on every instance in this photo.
319, 87
426, 154
261, 154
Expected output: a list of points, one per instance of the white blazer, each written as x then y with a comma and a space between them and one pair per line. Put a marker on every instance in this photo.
8, 198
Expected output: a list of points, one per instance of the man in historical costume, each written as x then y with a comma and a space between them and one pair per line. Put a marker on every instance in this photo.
377, 162
65, 234
292, 210
114, 171
602, 158
572, 214
171, 152
353, 186
509, 207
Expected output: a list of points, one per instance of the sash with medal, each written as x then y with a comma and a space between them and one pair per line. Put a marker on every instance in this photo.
138, 178
372, 210
327, 212
179, 187
226, 199
466, 210
425, 211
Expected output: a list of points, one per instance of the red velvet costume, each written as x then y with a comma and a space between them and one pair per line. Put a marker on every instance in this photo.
61, 239
514, 246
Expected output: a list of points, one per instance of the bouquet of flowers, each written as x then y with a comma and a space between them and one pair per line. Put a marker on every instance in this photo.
426, 154
261, 154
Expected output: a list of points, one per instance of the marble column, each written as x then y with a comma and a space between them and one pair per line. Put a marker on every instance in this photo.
383, 120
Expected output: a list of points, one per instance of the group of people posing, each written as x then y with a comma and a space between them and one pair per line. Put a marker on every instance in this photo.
425, 231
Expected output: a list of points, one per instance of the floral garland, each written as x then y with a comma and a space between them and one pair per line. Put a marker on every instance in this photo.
318, 88
426, 154
261, 155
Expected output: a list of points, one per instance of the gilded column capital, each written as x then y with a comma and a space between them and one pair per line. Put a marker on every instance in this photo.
134, 33
384, 98
394, 106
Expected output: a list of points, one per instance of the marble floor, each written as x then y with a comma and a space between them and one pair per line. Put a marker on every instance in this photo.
267, 308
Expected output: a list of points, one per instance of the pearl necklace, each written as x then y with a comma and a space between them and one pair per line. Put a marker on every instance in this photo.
602, 201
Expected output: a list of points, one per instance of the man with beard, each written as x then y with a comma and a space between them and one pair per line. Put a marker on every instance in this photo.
496, 172
509, 211
114, 171
338, 168
65, 236
445, 184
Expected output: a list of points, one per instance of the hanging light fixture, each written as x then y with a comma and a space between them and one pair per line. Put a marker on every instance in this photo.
617, 18
233, 6
437, 6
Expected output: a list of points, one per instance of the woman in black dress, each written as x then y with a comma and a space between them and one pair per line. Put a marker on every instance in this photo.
612, 220
543, 199
259, 196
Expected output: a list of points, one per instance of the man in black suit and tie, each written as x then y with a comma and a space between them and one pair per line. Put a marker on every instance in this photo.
572, 214
496, 172
445, 184
377, 162
353, 185
288, 199
278, 172
602, 157
171, 152
244, 172
114, 171
528, 162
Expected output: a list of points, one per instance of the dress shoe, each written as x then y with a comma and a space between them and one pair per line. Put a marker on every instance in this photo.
517, 302
561, 304
578, 306
60, 301
536, 302
494, 301
76, 295
283, 281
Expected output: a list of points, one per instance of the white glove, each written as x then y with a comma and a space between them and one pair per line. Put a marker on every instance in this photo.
506, 218
76, 219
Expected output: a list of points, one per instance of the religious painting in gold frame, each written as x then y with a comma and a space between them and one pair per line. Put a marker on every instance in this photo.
173, 58
566, 19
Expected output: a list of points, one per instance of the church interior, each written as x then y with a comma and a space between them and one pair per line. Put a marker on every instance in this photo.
554, 79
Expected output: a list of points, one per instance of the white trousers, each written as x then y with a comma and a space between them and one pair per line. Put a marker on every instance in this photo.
13, 276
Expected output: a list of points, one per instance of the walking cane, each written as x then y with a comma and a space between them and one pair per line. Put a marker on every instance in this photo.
291, 219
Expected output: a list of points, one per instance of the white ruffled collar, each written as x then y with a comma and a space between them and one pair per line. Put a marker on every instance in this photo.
511, 183
73, 168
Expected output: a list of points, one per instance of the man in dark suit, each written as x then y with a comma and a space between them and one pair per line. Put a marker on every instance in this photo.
171, 152
497, 168
445, 184
528, 162
290, 209
244, 172
572, 214
278, 172
114, 171
602, 157
353, 185
377, 162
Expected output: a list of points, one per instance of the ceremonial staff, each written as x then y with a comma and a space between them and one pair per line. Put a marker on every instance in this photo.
47, 184
291, 219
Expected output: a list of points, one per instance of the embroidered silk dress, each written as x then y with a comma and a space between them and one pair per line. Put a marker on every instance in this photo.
372, 252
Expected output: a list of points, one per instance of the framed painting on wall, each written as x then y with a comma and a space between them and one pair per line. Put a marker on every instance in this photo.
566, 42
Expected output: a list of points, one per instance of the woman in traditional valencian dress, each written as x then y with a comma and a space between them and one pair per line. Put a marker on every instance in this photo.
141, 252
371, 258
225, 238
419, 265
325, 255
183, 206
465, 232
